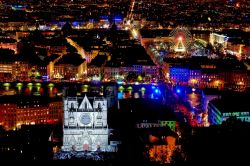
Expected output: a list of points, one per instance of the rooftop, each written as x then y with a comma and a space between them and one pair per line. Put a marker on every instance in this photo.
98, 61
129, 56
71, 58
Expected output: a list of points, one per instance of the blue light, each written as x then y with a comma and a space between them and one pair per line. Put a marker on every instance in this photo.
153, 87
104, 17
178, 91
120, 95
157, 91
75, 23
118, 19
119, 82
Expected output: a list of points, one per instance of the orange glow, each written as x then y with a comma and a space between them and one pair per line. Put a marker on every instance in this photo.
217, 82
153, 139
240, 49
194, 81
237, 4
240, 83
159, 153
170, 141
180, 38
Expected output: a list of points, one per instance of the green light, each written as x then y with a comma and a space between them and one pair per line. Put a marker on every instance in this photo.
121, 88
139, 78
37, 74
29, 85
51, 85
85, 88
19, 86
38, 86
130, 88
170, 124
6, 85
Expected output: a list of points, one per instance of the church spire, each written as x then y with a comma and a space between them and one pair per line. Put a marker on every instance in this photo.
85, 105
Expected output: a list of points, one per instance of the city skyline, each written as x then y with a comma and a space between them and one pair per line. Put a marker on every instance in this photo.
130, 81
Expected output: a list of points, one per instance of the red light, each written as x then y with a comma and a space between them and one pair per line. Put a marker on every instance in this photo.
180, 38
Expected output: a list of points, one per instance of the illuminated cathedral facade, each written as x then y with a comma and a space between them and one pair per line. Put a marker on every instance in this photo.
85, 124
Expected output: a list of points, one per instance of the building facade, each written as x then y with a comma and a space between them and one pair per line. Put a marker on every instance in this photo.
85, 124
230, 75
217, 113
16, 112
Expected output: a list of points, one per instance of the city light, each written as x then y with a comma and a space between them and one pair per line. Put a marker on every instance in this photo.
237, 4
135, 33
68, 68
193, 81
120, 82
88, 113
178, 91
240, 83
137, 83
19, 86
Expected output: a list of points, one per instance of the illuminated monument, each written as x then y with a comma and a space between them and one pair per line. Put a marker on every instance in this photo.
85, 124
180, 39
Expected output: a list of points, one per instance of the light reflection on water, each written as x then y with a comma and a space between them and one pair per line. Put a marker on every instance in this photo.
195, 100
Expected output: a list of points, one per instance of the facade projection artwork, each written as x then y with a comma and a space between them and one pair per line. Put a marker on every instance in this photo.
85, 124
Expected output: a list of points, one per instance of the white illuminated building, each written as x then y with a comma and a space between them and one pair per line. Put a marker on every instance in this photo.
217, 38
85, 124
